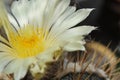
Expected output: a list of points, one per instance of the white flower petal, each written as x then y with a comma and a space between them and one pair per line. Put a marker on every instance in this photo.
18, 67
21, 72
13, 21
61, 8
18, 63
36, 12
3, 39
27, 11
75, 39
54, 10
19, 10
5, 48
75, 35
73, 20
74, 47
4, 60
12, 66
53, 14
49, 11
67, 13
71, 38
76, 17
77, 31
4, 54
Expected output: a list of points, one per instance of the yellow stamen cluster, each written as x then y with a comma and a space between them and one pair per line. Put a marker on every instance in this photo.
29, 42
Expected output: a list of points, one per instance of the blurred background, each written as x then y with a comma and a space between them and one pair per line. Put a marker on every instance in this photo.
106, 17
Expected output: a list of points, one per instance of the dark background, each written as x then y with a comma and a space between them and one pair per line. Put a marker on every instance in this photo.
106, 17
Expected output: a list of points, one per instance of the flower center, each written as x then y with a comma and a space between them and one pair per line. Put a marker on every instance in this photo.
29, 43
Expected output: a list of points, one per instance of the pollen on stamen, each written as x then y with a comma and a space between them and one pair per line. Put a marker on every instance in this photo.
28, 43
